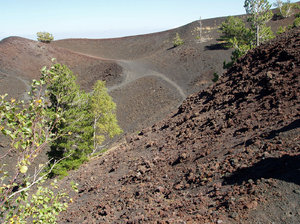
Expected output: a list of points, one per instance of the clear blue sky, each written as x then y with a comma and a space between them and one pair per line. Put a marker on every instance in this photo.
106, 18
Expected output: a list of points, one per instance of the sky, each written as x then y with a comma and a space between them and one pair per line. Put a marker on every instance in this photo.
106, 18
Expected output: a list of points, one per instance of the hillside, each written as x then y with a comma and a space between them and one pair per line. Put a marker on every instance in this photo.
228, 154
22, 59
146, 76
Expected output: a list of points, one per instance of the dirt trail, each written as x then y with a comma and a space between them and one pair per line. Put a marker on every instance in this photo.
228, 154
27, 85
134, 70
22, 80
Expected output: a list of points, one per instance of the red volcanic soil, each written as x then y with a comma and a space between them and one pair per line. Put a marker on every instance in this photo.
22, 59
145, 75
228, 154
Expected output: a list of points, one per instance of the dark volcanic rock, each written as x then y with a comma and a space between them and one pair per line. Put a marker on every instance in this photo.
220, 158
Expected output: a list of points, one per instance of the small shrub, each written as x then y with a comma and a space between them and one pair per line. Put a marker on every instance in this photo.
297, 15
281, 29
285, 8
177, 41
297, 22
216, 77
44, 37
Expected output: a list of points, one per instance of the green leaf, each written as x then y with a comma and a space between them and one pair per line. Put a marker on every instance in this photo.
16, 145
23, 169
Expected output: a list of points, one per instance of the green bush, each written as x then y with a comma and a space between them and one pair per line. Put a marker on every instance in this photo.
177, 40
27, 128
297, 22
216, 77
44, 37
87, 119
281, 30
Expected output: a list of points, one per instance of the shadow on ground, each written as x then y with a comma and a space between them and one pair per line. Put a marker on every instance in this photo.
295, 124
286, 168
217, 46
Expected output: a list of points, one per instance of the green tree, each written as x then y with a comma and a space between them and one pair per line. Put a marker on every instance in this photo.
285, 8
44, 37
28, 129
281, 30
75, 127
105, 119
87, 120
260, 14
177, 40
236, 35
234, 27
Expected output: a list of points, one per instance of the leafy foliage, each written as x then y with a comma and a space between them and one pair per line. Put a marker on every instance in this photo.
28, 128
44, 37
285, 8
281, 30
177, 40
75, 127
235, 28
216, 77
260, 14
103, 109
296, 22
235, 33
86, 119
42, 206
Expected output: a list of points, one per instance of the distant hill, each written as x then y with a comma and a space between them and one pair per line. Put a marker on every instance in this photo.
146, 76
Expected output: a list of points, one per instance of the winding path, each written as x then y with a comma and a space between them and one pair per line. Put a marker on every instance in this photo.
134, 70
21, 79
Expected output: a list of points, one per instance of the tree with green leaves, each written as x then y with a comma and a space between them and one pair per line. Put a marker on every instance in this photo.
72, 105
44, 37
104, 112
177, 41
234, 27
260, 14
87, 119
28, 128
285, 8
236, 35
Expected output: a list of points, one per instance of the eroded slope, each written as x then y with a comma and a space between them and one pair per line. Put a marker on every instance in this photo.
229, 154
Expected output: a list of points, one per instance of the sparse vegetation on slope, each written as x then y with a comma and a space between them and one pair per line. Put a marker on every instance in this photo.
44, 37
86, 119
236, 35
228, 151
259, 14
177, 40
285, 8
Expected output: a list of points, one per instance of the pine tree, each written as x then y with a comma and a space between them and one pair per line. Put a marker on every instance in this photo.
86, 120
236, 35
76, 123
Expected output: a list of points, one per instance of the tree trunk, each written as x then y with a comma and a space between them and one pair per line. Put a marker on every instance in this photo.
257, 35
95, 141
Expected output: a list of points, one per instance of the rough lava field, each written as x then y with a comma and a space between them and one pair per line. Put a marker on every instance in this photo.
228, 154
193, 151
